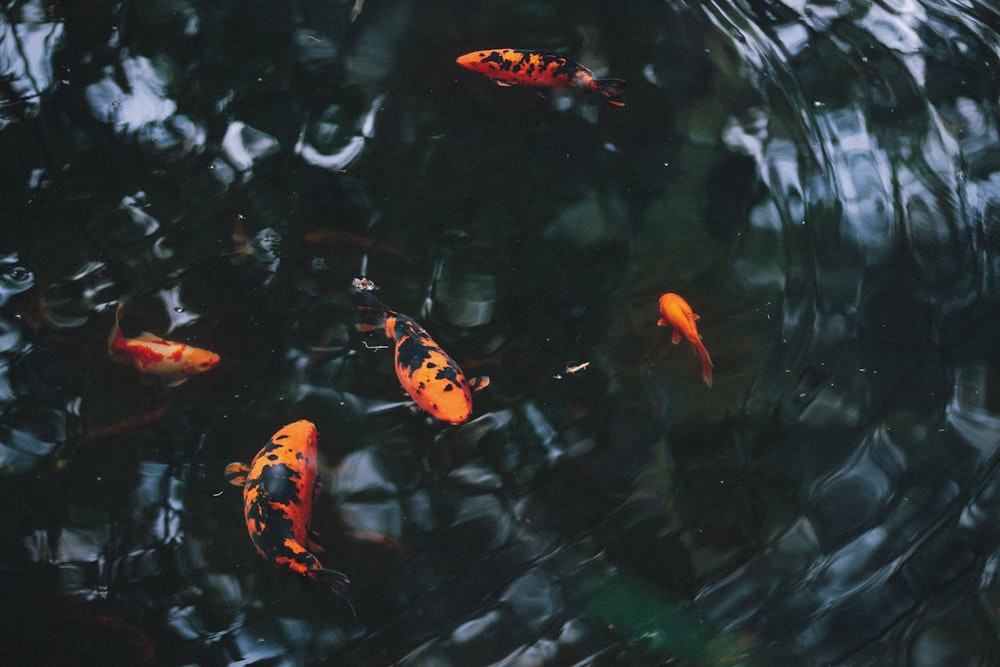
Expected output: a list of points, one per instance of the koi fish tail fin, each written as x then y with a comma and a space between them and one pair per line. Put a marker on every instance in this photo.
706, 365
236, 473
610, 89
370, 319
372, 313
337, 581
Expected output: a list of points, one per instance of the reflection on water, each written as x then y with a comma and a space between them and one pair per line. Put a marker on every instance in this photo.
818, 180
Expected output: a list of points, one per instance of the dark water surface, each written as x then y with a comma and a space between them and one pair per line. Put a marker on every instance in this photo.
820, 180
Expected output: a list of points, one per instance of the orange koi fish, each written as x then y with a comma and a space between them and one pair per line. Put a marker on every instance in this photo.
426, 372
279, 489
173, 362
540, 69
678, 314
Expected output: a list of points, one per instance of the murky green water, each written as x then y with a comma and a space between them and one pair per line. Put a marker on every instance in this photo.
816, 179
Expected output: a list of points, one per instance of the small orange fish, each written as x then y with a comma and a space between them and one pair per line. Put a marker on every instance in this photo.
127, 424
425, 371
173, 362
678, 314
279, 488
540, 69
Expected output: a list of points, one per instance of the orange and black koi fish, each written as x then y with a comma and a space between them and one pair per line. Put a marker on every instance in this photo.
426, 372
678, 314
540, 69
173, 362
279, 489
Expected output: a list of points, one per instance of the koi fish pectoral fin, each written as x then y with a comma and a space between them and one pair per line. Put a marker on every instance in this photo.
676, 338
477, 384
662, 322
502, 83
236, 473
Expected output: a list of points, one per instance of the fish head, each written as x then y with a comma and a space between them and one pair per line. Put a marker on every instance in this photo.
667, 301
471, 60
484, 62
200, 361
297, 436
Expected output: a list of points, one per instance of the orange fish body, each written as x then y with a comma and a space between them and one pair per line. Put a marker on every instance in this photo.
279, 489
540, 69
678, 314
167, 360
432, 378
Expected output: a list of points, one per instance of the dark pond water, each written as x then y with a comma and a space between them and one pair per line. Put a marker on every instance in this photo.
820, 181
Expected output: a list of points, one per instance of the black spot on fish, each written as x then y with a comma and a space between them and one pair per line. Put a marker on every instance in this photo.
449, 387
411, 350
273, 457
271, 446
275, 527
450, 373
281, 437
280, 484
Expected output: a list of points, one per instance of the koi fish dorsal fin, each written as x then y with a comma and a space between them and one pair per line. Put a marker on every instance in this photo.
147, 337
236, 473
